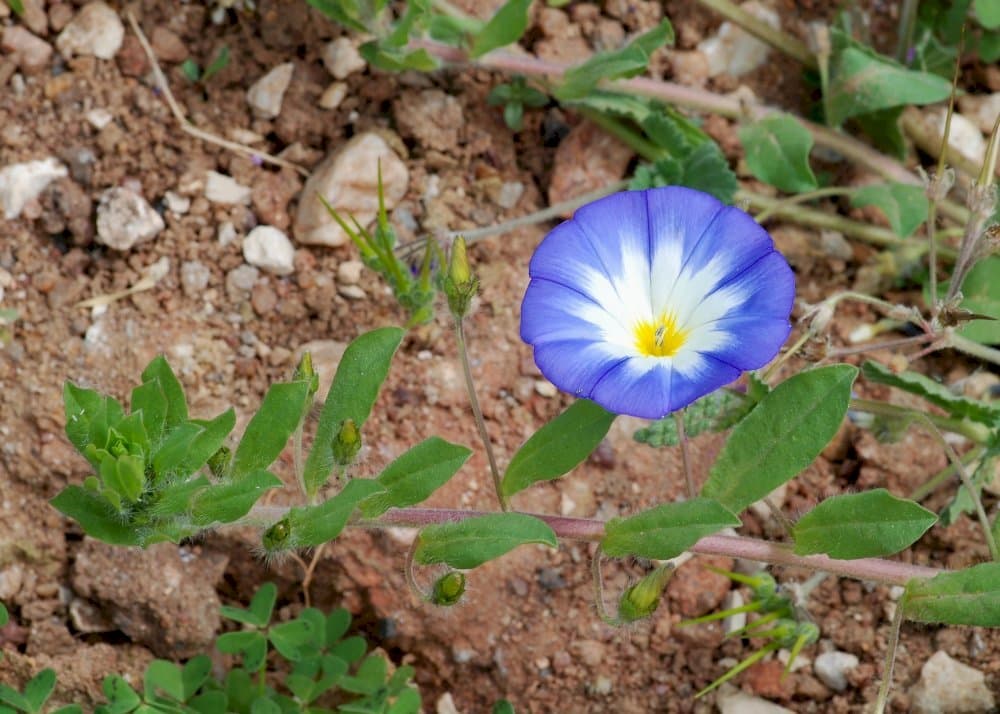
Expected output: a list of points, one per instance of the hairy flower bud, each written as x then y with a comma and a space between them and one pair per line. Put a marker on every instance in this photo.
459, 284
276, 536
347, 443
642, 599
218, 463
448, 589
304, 372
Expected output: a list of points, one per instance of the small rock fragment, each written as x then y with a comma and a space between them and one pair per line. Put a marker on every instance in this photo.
948, 686
432, 117
32, 54
194, 277
176, 203
124, 219
21, 183
333, 95
832, 668
220, 188
270, 250
240, 280
586, 160
963, 136
167, 45
342, 58
267, 93
349, 272
735, 51
347, 179
99, 118
96, 30
732, 701
982, 109
226, 233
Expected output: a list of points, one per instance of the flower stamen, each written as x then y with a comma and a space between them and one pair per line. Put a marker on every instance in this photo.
660, 337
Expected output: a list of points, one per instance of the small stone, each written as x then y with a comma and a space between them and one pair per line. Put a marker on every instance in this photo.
241, 279
31, 54
963, 136
96, 30
267, 93
60, 15
738, 620
349, 272
270, 250
167, 45
352, 292
270, 195
545, 388
732, 701
21, 183
947, 685
602, 686
432, 117
689, 67
333, 95
226, 233
99, 118
342, 58
981, 109
509, 194
832, 668
176, 203
446, 705
347, 179
124, 219
87, 618
586, 160
220, 188
34, 16
263, 299
590, 652
735, 51
194, 278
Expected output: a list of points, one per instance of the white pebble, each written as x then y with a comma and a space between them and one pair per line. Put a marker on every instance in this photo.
96, 30
735, 51
20, 183
270, 250
267, 93
125, 219
194, 277
545, 388
349, 272
832, 668
220, 188
342, 58
333, 95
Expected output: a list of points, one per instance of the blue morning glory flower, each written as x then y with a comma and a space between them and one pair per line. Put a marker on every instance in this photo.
645, 301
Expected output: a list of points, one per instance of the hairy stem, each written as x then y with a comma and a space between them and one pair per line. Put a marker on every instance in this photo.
477, 412
978, 433
890, 660
802, 198
928, 487
685, 454
971, 347
602, 608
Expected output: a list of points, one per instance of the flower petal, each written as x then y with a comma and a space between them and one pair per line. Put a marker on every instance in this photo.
553, 312
575, 366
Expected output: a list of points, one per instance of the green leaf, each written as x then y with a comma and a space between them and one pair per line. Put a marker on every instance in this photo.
934, 392
89, 416
355, 387
314, 525
504, 28
39, 688
11, 696
988, 13
395, 59
216, 65
666, 531
715, 412
369, 678
777, 152
228, 502
96, 516
294, 639
267, 433
503, 707
558, 447
862, 81
4, 615
258, 613
337, 624
191, 70
195, 673
340, 12
966, 597
861, 525
191, 445
883, 128
263, 705
211, 702
17, 6
474, 541
160, 371
904, 205
150, 402
703, 168
236, 642
415, 475
981, 291
120, 695
781, 436
618, 64
163, 677
350, 649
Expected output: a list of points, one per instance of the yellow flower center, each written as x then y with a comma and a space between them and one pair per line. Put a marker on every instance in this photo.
660, 337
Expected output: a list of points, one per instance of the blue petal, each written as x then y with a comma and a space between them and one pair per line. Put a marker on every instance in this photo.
732, 242
551, 311
615, 226
679, 217
755, 340
575, 366
767, 287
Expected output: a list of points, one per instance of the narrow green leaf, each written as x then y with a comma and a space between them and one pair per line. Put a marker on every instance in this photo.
777, 152
89, 416
39, 688
966, 597
239, 641
415, 475
149, 400
781, 436
618, 64
666, 531
176, 412
934, 392
4, 615
905, 206
228, 502
313, 525
216, 65
360, 375
190, 445
9, 695
474, 541
558, 447
504, 28
17, 6
267, 433
96, 516
861, 525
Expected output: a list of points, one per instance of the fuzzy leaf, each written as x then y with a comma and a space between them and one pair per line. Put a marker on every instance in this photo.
905, 206
665, 531
228, 502
474, 541
504, 28
966, 597
270, 428
777, 152
98, 518
934, 392
415, 475
313, 525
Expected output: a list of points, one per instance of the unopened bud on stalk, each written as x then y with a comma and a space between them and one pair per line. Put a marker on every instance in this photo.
459, 285
276, 536
642, 599
218, 462
347, 443
448, 589
304, 372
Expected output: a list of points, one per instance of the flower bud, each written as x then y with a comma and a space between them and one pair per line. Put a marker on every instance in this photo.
218, 463
459, 285
276, 536
304, 372
347, 443
642, 599
448, 589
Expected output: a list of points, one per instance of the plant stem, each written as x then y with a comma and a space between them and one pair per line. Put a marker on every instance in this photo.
887, 344
775, 37
978, 433
890, 660
786, 355
477, 412
411, 578
883, 571
971, 347
904, 33
685, 455
928, 487
602, 608
802, 198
